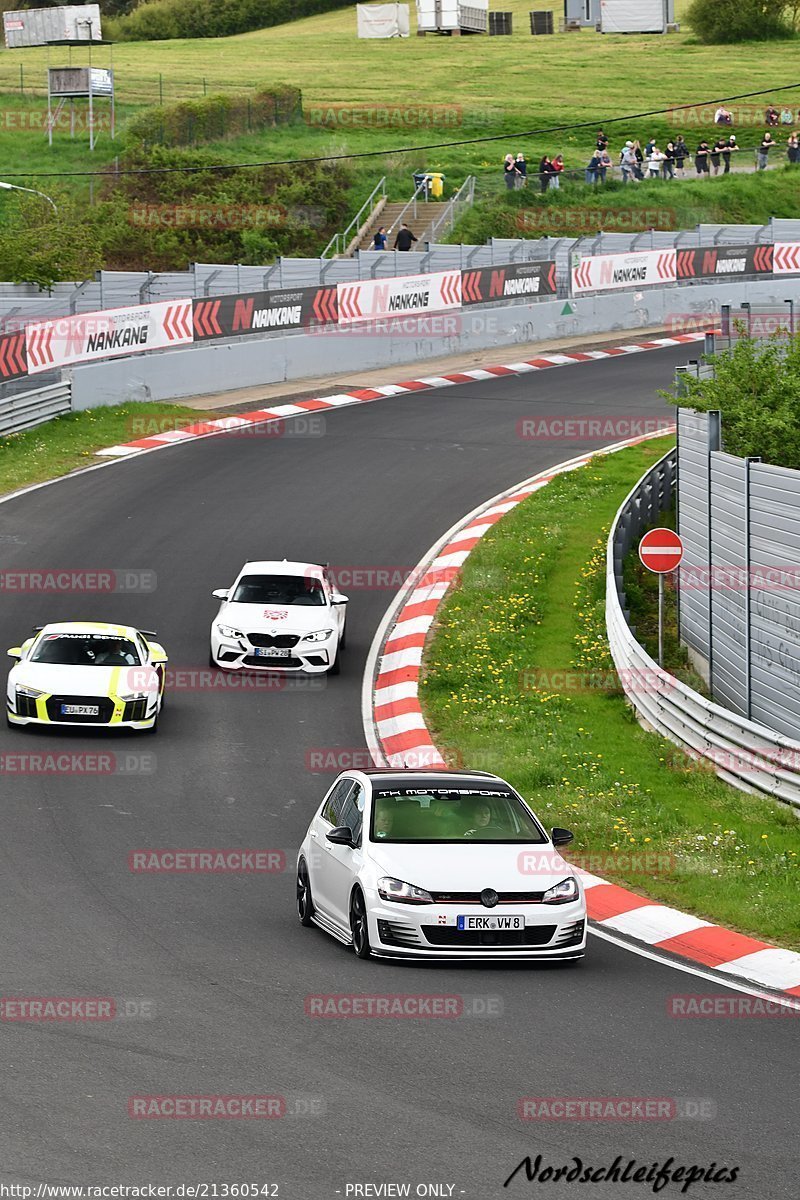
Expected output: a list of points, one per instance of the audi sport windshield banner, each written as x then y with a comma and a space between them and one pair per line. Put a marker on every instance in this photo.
490, 284
708, 262
372, 299
612, 272
108, 334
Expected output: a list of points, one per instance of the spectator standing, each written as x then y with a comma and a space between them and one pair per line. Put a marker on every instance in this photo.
639, 156
729, 148
379, 239
510, 171
545, 171
605, 165
405, 238
771, 117
654, 161
716, 151
681, 155
668, 165
602, 140
793, 148
522, 171
648, 149
593, 167
767, 142
627, 161
556, 167
701, 158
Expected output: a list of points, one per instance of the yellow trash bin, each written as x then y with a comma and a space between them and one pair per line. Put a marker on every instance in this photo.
437, 183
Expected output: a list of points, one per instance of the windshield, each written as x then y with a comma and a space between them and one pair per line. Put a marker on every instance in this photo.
451, 815
86, 650
279, 589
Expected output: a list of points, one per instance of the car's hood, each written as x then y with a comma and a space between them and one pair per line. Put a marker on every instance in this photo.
277, 618
471, 868
84, 681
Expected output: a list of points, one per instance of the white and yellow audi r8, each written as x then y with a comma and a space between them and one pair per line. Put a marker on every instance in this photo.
87, 673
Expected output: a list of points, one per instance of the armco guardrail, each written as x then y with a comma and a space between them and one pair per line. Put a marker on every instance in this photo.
741, 752
26, 409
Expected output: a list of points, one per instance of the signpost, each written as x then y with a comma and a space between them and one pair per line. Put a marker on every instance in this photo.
661, 551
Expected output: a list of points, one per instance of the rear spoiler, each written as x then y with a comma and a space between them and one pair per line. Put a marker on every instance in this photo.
150, 633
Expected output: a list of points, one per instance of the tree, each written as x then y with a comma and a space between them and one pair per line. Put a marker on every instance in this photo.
740, 20
40, 246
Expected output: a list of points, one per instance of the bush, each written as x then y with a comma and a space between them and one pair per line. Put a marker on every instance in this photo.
191, 122
156, 20
720, 21
757, 390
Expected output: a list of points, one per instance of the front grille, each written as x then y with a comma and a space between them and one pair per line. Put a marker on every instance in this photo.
105, 705
251, 660
475, 897
135, 710
26, 706
449, 938
281, 641
392, 933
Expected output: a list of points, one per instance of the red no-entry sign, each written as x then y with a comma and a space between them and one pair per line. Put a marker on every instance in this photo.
661, 551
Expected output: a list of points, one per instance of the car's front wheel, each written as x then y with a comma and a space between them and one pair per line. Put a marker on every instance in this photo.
305, 905
359, 927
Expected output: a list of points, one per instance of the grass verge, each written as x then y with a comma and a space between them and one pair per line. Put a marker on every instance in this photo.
69, 442
518, 679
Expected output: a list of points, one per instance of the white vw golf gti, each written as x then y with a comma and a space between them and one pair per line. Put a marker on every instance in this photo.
438, 864
279, 616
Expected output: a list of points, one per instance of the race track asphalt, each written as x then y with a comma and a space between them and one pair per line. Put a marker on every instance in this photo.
221, 959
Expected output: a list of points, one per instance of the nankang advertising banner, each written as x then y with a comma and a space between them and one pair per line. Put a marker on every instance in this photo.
377, 298
616, 272
487, 285
710, 262
110, 334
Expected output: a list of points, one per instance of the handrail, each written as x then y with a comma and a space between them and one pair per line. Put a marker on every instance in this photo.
465, 195
742, 752
422, 186
341, 240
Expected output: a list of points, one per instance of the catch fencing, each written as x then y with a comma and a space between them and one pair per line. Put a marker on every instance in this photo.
750, 755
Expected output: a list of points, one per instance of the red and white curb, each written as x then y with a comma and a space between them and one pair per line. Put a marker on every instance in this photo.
398, 736
199, 429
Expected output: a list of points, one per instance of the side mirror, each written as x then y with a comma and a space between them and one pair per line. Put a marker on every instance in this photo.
338, 598
561, 837
15, 652
341, 836
221, 593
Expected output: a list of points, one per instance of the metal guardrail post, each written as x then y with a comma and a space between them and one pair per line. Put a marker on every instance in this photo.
714, 444
748, 685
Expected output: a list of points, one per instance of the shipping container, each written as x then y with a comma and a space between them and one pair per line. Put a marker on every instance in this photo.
636, 16
38, 26
446, 16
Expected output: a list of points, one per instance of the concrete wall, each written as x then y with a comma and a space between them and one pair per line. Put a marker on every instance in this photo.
246, 362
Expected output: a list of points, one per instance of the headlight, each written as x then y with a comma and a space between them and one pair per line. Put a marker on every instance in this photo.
563, 892
403, 893
34, 693
226, 631
320, 636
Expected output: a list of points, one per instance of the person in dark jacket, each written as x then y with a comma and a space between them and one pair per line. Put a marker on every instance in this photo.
545, 172
681, 155
522, 171
379, 240
767, 142
728, 149
510, 172
405, 238
701, 158
716, 150
668, 163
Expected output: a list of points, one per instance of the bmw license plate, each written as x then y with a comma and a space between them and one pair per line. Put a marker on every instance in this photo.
498, 921
271, 652
80, 710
